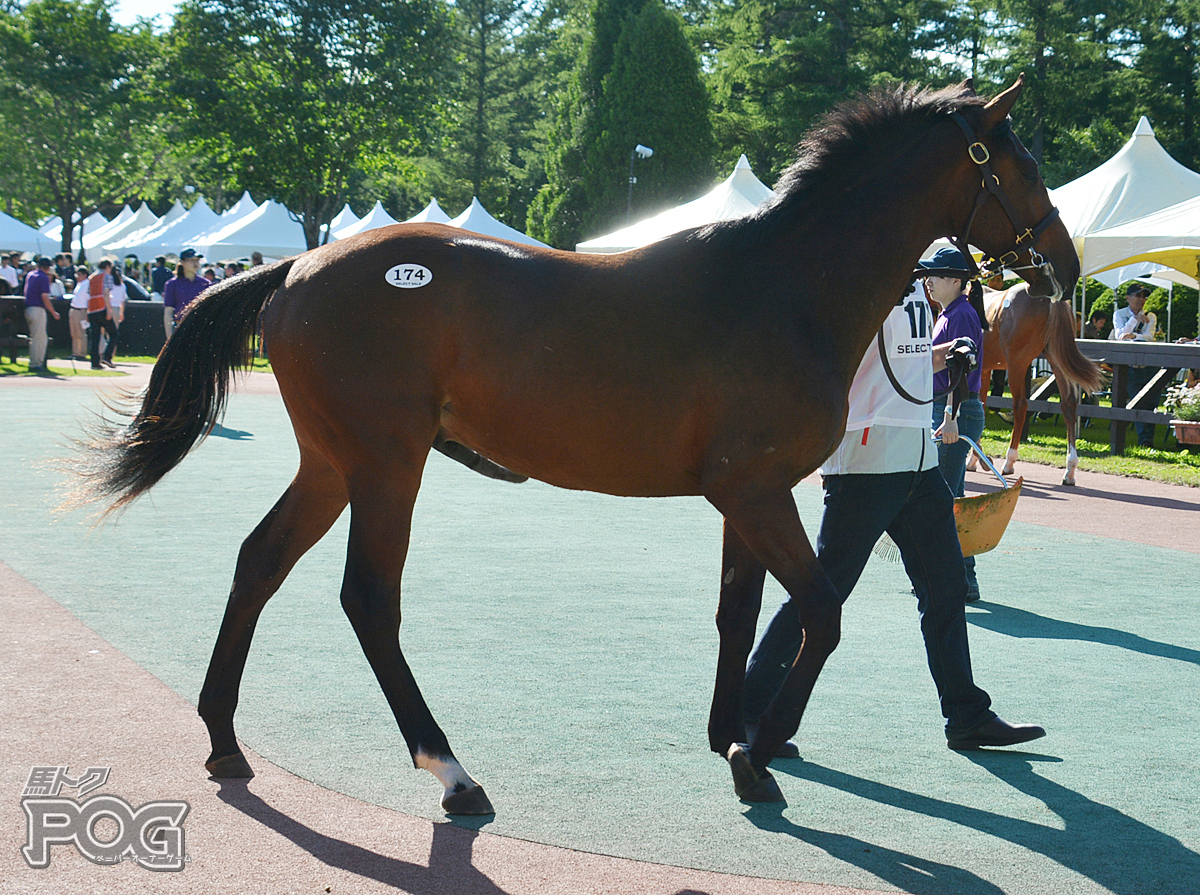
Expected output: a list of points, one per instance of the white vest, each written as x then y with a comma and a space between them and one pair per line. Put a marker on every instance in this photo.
884, 432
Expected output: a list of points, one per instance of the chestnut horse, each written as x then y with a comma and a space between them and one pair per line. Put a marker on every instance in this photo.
1024, 326
716, 362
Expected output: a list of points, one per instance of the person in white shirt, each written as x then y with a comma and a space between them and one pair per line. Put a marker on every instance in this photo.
78, 315
1134, 323
9, 274
884, 476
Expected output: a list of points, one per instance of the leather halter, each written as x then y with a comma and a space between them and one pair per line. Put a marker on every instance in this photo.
1027, 237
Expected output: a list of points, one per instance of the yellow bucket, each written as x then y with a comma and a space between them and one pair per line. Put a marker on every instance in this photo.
982, 520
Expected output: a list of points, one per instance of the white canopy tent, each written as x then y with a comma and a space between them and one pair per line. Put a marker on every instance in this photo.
18, 237
737, 196
114, 233
241, 208
430, 214
171, 237
91, 223
134, 237
93, 239
269, 229
477, 220
1169, 237
1139, 180
343, 218
373, 220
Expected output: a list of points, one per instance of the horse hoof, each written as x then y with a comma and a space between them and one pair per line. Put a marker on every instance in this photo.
749, 785
1067, 481
232, 765
468, 801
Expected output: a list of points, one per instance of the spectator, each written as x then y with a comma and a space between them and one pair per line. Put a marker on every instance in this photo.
56, 286
99, 310
182, 289
77, 316
37, 306
63, 268
1134, 323
1094, 328
9, 276
256, 259
116, 302
159, 274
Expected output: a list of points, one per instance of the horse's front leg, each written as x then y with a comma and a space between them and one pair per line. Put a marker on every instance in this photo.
768, 528
1069, 401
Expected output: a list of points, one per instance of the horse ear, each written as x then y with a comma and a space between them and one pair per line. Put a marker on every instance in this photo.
967, 87
998, 107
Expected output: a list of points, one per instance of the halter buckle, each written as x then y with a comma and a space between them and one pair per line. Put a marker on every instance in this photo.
1008, 259
979, 153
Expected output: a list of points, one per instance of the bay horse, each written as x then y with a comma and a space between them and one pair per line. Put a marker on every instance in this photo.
1022, 327
716, 362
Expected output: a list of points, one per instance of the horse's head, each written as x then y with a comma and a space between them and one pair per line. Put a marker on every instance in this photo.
1012, 218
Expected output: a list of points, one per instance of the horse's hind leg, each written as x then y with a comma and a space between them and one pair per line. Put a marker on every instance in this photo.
380, 519
310, 505
1069, 402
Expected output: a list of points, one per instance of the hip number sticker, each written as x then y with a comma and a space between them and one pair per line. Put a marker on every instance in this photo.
409, 276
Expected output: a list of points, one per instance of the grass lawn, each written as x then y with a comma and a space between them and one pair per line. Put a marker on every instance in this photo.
1167, 461
60, 365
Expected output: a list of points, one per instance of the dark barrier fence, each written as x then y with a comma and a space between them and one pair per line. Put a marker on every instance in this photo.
142, 333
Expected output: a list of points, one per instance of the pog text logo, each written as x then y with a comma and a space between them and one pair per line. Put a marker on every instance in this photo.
151, 836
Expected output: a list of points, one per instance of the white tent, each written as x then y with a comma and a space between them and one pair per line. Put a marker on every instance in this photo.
1140, 179
241, 208
18, 237
477, 220
269, 229
114, 234
374, 219
1167, 238
171, 237
343, 218
737, 196
93, 239
134, 237
91, 223
430, 214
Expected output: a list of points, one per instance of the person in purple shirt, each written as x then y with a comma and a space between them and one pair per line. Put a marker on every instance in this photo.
37, 306
946, 277
181, 290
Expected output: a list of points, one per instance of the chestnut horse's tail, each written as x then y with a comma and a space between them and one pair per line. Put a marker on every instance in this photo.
188, 389
1062, 351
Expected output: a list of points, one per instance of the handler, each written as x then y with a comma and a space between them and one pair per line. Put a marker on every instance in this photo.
947, 282
884, 476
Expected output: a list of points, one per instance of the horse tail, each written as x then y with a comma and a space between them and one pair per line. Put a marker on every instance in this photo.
187, 394
1062, 351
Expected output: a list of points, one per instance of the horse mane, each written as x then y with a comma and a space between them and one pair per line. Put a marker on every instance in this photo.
835, 149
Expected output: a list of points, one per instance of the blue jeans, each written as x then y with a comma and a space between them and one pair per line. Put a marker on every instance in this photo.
952, 458
917, 511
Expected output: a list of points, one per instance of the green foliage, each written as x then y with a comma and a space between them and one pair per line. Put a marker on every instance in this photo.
774, 66
79, 125
293, 96
638, 83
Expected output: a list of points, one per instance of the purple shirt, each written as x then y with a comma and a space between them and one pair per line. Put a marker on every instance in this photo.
957, 320
37, 284
181, 292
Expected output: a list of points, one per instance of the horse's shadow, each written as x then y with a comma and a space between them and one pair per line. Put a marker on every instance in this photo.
1116, 851
450, 867
1021, 623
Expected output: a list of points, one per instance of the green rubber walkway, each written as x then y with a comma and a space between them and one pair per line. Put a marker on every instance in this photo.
566, 643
